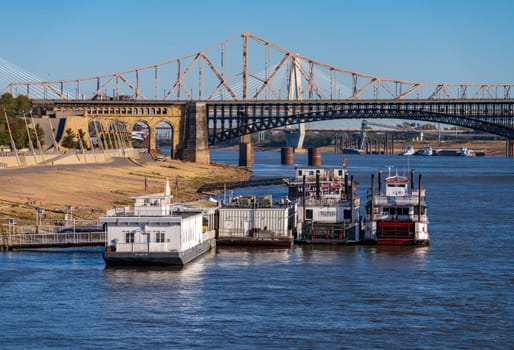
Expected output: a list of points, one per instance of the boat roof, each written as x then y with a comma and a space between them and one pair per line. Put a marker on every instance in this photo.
153, 196
396, 179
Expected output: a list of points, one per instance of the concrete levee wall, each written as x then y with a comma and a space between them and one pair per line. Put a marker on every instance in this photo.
69, 158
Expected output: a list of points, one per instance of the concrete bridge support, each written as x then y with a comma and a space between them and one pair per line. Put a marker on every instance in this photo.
509, 148
245, 151
194, 135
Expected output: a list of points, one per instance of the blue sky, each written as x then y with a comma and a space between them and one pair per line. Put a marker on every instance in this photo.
428, 41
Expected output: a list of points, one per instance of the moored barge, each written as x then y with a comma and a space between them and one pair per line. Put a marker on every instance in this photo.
256, 222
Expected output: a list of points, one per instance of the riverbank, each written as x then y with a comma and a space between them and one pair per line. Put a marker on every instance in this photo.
93, 188
489, 148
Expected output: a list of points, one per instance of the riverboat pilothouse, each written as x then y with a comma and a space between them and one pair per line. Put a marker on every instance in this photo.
397, 216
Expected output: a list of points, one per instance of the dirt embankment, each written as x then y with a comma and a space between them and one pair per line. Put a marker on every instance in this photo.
92, 189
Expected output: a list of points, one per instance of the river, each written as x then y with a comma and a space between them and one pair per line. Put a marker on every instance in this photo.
455, 293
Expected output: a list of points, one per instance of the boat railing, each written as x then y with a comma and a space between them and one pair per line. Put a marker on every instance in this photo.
144, 247
209, 234
405, 201
331, 201
35, 240
253, 233
414, 193
126, 211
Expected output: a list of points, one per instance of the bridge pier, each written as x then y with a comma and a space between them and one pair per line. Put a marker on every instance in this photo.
286, 156
245, 151
509, 148
194, 135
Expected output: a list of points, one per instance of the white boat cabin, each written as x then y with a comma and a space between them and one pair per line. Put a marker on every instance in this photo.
153, 224
248, 216
324, 173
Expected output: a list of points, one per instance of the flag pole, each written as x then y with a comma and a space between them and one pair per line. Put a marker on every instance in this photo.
176, 188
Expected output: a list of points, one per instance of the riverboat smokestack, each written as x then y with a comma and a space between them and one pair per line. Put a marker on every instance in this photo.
317, 186
351, 197
371, 194
346, 184
419, 198
303, 196
412, 180
379, 182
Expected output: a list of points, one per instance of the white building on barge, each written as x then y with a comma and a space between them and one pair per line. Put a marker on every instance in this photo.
155, 232
258, 222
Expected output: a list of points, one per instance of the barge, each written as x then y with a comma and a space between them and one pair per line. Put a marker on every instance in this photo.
155, 232
397, 216
256, 222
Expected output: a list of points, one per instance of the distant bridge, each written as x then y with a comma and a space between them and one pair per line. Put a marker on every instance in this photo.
236, 88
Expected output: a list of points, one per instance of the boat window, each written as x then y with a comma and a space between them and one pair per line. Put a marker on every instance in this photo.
159, 237
402, 211
308, 214
416, 210
396, 211
129, 237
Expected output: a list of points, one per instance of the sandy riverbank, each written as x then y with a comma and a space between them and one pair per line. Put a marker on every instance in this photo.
93, 188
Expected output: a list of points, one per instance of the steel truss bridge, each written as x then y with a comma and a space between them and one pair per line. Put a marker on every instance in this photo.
249, 84
229, 120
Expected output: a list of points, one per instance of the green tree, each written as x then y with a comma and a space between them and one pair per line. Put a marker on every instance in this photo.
8, 103
23, 105
35, 135
69, 139
12, 107
82, 140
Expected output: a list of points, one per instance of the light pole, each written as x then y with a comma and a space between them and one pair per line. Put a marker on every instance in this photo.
39, 212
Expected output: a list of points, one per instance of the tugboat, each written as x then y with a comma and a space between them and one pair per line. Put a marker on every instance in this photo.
155, 232
398, 216
256, 222
328, 209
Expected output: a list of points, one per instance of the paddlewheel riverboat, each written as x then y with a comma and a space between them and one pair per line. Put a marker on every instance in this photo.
397, 216
328, 209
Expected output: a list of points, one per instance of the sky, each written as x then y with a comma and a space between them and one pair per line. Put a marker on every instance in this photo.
450, 41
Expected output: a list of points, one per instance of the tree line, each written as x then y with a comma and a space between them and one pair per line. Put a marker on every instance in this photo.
16, 125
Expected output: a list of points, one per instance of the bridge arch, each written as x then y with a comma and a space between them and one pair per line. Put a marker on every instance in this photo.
228, 121
164, 138
140, 134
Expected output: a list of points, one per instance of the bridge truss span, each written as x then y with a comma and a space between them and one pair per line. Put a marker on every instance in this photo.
247, 67
228, 120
